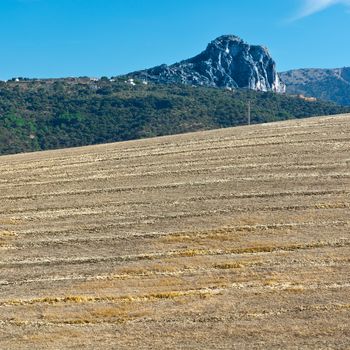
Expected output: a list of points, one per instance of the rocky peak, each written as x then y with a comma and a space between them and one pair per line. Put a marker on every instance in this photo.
227, 62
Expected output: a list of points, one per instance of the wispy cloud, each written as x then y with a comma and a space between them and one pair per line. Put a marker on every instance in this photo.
311, 7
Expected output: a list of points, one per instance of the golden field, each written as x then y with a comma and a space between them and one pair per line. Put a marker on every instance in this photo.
227, 239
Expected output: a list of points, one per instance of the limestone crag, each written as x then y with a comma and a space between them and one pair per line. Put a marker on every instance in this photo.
227, 62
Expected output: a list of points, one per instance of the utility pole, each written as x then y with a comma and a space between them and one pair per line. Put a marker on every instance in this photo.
249, 112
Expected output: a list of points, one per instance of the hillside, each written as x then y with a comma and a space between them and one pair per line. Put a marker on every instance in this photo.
232, 238
326, 84
48, 114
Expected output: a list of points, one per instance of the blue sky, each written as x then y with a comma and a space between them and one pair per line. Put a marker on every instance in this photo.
56, 38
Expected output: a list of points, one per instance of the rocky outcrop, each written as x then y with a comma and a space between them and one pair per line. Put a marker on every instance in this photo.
227, 62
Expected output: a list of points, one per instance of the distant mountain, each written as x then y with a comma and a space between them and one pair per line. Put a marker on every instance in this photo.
326, 84
227, 62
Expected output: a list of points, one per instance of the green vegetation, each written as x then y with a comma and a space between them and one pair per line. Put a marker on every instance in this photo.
39, 115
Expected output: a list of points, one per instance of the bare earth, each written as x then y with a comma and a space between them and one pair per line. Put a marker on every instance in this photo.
226, 239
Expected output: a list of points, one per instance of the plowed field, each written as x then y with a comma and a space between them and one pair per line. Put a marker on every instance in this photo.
229, 239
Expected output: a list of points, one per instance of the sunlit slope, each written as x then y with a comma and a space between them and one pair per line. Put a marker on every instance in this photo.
233, 238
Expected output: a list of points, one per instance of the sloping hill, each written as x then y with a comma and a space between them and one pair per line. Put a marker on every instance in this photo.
51, 114
326, 84
233, 238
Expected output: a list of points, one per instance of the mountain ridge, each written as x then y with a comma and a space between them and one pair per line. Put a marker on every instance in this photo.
330, 84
